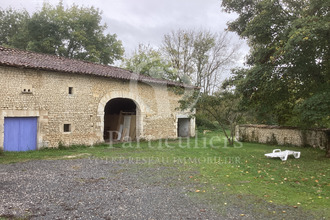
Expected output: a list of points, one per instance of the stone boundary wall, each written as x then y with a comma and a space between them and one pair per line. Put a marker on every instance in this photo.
277, 135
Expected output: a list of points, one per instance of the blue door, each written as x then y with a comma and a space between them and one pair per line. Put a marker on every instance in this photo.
20, 134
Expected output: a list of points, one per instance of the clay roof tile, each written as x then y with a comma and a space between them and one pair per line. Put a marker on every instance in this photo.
26, 59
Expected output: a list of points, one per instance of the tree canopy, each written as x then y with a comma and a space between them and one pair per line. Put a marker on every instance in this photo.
200, 56
187, 56
150, 62
289, 59
223, 108
74, 32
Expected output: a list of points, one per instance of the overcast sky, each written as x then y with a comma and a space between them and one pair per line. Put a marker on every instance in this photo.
146, 21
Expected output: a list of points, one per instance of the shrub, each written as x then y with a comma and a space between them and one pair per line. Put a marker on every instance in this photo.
204, 123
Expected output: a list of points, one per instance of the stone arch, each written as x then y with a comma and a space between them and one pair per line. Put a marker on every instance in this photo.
141, 110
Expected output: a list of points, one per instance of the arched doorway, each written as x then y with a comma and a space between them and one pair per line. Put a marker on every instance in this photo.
120, 120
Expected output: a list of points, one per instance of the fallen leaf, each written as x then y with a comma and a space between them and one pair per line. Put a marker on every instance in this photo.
197, 190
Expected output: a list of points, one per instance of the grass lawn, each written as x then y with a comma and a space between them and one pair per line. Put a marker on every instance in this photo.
236, 174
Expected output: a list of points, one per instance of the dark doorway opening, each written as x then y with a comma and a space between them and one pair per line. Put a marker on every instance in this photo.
183, 127
120, 120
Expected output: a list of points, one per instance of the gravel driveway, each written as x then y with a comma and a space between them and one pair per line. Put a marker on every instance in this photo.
92, 189
97, 189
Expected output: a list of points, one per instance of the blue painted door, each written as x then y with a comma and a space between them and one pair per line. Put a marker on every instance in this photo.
20, 133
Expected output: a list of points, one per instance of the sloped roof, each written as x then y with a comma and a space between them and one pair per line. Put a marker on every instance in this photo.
31, 60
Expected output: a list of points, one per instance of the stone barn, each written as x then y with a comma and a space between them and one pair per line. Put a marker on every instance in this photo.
48, 100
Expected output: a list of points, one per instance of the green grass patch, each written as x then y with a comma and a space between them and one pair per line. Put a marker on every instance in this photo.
213, 168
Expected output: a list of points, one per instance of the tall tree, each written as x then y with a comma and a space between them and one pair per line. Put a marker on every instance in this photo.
289, 58
213, 54
74, 32
11, 24
178, 47
150, 62
200, 56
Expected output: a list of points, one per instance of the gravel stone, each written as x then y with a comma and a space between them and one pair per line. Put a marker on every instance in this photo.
91, 189
97, 189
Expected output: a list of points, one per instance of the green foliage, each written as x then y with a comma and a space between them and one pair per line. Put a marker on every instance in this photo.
204, 123
289, 59
224, 108
11, 24
150, 62
73, 32
315, 110
189, 99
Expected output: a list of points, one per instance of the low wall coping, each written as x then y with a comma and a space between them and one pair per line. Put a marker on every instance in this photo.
282, 127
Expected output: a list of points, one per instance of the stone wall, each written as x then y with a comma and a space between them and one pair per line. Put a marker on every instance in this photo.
50, 101
276, 135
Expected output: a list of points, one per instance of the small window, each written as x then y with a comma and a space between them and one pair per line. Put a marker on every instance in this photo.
27, 89
67, 128
70, 90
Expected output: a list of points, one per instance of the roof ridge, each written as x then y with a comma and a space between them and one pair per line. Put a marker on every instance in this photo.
30, 59
2, 48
